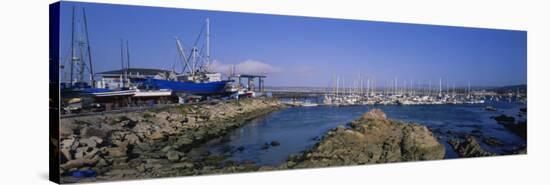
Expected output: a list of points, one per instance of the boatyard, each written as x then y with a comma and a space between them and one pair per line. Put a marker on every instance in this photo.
130, 88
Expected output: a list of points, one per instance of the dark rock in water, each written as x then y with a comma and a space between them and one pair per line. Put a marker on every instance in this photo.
371, 139
265, 146
503, 119
240, 148
275, 143
469, 147
493, 142
524, 110
519, 150
508, 122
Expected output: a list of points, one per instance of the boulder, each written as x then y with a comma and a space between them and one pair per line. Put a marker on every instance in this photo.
468, 147
120, 151
173, 156
275, 143
374, 114
503, 119
371, 139
157, 136
132, 138
87, 132
493, 142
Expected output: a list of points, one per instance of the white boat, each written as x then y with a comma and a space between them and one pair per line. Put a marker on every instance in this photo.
309, 104
155, 93
130, 92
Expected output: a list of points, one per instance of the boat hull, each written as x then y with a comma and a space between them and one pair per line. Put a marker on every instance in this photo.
206, 88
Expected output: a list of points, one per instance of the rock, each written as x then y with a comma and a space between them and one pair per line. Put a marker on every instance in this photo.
508, 122
132, 138
89, 142
123, 172
503, 119
102, 163
157, 136
120, 151
265, 146
66, 153
240, 148
173, 156
88, 132
275, 143
96, 139
493, 142
69, 143
141, 168
374, 114
76, 163
184, 165
166, 149
371, 139
65, 129
469, 147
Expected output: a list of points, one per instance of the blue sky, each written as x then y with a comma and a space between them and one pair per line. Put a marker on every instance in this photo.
304, 51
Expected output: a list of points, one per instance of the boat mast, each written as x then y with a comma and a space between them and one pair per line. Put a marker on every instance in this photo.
207, 43
440, 87
88, 48
123, 76
72, 47
127, 59
182, 54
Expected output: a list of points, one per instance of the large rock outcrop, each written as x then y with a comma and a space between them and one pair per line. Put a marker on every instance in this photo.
371, 139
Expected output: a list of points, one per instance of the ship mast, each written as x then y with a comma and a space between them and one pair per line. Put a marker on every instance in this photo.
72, 47
88, 48
207, 43
123, 76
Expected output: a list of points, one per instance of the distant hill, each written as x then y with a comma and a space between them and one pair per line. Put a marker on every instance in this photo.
511, 88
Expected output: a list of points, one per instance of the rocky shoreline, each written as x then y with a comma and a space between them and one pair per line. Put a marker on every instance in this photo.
371, 139
167, 142
153, 143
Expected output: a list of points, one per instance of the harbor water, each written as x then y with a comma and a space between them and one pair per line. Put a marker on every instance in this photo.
298, 128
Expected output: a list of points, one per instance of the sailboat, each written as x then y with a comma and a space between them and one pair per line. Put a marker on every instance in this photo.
80, 60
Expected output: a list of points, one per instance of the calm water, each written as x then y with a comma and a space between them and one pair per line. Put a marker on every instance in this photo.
296, 129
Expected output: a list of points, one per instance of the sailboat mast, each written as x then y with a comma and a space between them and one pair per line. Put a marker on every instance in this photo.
122, 61
72, 47
207, 42
88, 48
127, 56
